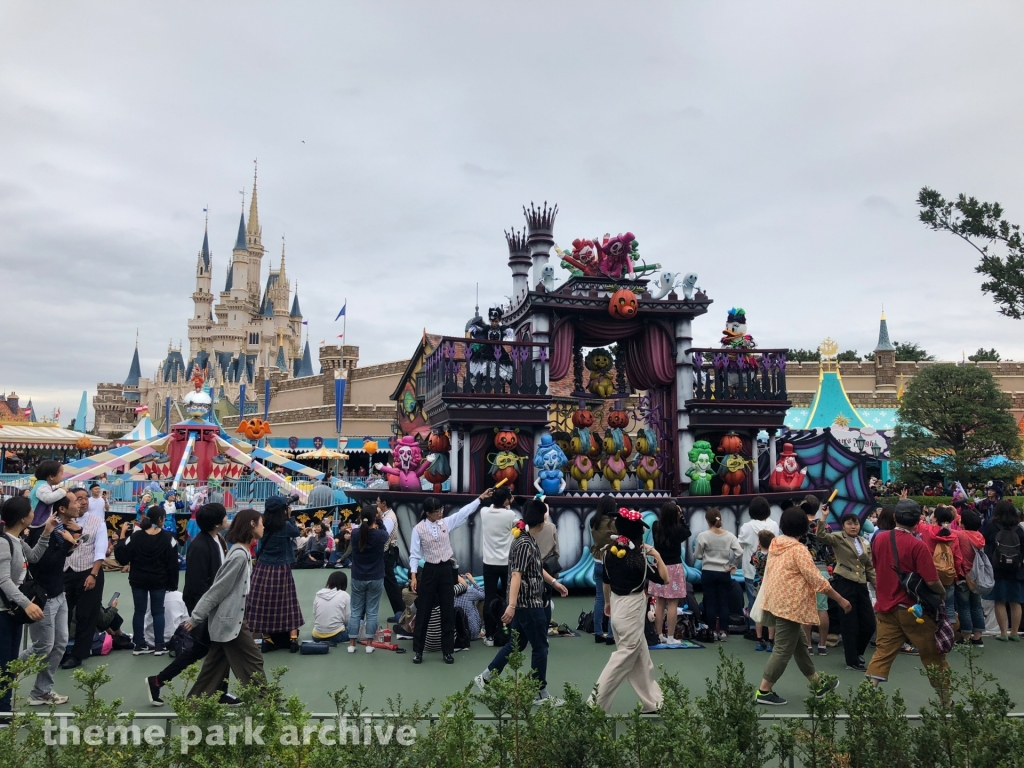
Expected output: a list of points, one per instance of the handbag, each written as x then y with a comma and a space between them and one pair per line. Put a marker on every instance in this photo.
756, 612
912, 583
29, 588
313, 648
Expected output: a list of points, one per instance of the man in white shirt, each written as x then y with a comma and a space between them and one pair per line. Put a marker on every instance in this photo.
760, 520
97, 504
83, 581
496, 523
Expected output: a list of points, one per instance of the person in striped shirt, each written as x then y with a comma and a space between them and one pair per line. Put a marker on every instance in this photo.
435, 584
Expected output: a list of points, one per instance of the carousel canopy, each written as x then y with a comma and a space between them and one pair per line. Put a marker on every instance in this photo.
144, 430
30, 436
322, 453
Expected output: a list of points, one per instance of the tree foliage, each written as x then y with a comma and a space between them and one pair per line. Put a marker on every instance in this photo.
849, 356
983, 227
985, 356
803, 355
911, 352
957, 415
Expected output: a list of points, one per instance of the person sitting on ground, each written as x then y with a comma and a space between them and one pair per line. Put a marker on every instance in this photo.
332, 609
471, 603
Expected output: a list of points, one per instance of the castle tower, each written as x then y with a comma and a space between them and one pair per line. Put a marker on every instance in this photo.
254, 245
541, 225
241, 284
885, 359
202, 316
519, 263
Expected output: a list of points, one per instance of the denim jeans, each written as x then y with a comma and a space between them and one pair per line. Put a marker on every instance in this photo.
717, 585
970, 609
951, 603
365, 606
155, 600
529, 625
599, 617
49, 638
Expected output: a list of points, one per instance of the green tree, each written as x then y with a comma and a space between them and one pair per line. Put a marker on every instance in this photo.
911, 353
985, 356
982, 226
803, 355
849, 356
957, 415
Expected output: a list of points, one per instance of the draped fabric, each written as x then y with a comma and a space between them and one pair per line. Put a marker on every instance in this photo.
479, 444
561, 356
650, 358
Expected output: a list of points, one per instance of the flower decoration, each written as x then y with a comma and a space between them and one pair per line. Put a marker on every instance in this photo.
519, 528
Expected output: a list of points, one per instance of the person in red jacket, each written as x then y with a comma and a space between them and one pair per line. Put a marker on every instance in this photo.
933, 534
968, 604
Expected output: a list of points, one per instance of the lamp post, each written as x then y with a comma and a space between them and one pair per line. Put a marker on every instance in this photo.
876, 450
860, 442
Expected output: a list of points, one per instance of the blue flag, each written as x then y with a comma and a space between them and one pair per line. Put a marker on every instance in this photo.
342, 312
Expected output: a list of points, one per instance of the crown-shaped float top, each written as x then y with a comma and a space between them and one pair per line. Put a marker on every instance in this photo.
540, 220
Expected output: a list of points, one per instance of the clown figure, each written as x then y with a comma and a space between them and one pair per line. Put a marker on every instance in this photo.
408, 464
788, 475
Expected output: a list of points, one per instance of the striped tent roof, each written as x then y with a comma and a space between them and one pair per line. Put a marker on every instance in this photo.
31, 436
144, 430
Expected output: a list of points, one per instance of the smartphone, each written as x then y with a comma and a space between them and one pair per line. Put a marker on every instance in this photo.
113, 597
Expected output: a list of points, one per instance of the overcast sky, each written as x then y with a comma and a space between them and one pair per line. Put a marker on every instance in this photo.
774, 148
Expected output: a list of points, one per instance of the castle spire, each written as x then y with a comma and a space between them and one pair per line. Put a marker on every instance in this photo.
884, 345
254, 216
135, 372
240, 239
204, 252
282, 277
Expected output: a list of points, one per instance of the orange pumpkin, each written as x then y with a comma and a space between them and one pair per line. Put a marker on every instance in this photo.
83, 443
623, 304
618, 419
505, 439
438, 443
254, 428
582, 418
730, 443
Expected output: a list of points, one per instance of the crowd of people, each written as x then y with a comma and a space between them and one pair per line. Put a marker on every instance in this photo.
906, 580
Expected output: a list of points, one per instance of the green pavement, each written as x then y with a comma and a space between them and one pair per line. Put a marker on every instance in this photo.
577, 661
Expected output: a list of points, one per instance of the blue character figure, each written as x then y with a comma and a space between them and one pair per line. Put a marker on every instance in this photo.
549, 459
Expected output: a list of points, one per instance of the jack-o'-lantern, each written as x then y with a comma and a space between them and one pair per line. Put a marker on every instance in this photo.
370, 446
254, 428
623, 304
730, 443
438, 443
83, 443
618, 419
505, 439
582, 418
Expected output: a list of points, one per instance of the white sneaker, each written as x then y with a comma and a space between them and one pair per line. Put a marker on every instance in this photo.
50, 698
351, 649
369, 649
481, 681
673, 641
489, 642
543, 696
664, 639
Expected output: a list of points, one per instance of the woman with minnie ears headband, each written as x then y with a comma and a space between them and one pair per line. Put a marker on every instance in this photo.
629, 565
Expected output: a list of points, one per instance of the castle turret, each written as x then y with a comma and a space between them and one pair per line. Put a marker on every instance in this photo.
885, 359
240, 282
541, 225
200, 322
254, 245
519, 263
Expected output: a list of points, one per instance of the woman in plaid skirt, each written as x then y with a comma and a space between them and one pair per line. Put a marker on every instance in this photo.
273, 604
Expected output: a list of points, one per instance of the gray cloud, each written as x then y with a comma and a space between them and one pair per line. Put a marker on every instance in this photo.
756, 149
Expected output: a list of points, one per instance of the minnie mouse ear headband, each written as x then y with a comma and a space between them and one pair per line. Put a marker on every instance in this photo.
632, 515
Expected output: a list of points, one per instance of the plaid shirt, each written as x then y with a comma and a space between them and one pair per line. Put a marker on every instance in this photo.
524, 559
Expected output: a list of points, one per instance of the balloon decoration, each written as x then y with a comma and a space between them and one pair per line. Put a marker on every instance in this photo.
549, 460
646, 466
732, 466
623, 304
440, 469
599, 362
506, 462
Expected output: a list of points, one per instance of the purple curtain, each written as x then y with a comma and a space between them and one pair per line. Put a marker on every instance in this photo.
478, 466
650, 358
561, 357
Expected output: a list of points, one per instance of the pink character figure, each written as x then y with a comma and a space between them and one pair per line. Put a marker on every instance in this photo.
408, 464
788, 474
614, 255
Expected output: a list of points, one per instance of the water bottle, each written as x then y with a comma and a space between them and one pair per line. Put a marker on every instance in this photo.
378, 636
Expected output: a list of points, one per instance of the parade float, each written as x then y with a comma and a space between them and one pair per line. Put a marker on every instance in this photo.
590, 384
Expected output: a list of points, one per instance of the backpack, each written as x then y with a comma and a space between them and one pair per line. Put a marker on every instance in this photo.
1007, 552
912, 583
981, 578
180, 642
462, 637
942, 556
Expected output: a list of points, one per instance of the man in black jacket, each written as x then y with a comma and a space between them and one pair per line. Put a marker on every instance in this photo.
205, 555
49, 635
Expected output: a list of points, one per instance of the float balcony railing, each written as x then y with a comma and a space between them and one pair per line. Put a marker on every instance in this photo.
750, 374
466, 366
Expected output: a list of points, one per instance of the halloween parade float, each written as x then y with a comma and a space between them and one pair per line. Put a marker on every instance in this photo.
588, 383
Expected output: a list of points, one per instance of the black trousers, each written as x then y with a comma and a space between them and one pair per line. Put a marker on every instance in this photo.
495, 585
435, 586
86, 606
857, 626
181, 662
391, 587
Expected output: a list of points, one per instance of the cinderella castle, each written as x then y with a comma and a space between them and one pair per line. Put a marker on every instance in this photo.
251, 331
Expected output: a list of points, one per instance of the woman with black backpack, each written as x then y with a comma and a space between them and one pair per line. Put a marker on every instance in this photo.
1004, 544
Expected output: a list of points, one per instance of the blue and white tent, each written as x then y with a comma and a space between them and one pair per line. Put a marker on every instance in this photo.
144, 430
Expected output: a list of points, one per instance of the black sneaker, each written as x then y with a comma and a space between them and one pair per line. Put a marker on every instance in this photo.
826, 684
294, 645
417, 658
857, 667
979, 643
229, 700
771, 699
141, 650
909, 650
609, 640
823, 650
153, 690
449, 659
